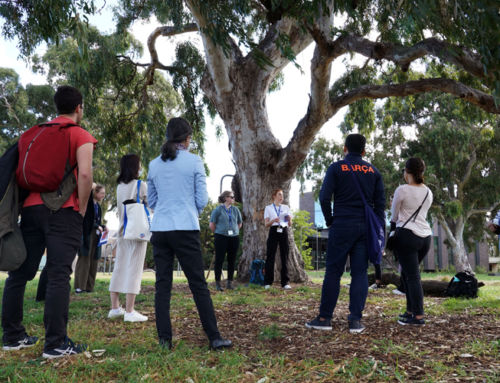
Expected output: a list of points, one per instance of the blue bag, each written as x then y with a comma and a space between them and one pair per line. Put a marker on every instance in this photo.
375, 229
257, 272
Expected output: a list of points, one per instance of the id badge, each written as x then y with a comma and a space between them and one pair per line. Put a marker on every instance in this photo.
230, 232
279, 229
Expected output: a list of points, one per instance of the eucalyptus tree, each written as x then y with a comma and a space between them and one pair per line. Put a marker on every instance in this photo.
21, 107
248, 43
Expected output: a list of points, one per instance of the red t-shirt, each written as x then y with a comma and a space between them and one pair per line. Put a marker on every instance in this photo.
78, 137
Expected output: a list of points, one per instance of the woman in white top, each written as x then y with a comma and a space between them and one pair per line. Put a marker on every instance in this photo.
278, 218
130, 254
410, 205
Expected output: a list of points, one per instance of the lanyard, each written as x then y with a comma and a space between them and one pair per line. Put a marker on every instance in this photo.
278, 211
228, 212
96, 212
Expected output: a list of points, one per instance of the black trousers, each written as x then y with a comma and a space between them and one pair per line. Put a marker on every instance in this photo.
225, 244
60, 233
86, 266
410, 249
186, 246
273, 240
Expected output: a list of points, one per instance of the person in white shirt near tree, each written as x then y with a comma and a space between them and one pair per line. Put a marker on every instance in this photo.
278, 218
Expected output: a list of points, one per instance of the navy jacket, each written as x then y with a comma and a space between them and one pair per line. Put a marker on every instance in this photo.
338, 183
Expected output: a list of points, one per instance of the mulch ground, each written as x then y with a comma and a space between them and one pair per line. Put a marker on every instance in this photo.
441, 339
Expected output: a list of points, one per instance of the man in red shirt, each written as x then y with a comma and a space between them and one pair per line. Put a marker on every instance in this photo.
59, 232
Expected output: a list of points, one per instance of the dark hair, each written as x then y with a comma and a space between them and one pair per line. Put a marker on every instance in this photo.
355, 143
222, 197
129, 168
98, 188
416, 167
67, 98
178, 129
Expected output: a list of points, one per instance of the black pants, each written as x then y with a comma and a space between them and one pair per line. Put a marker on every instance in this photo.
273, 240
186, 246
86, 266
61, 234
225, 244
410, 249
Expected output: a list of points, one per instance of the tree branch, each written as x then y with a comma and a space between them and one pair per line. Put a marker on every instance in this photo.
318, 108
465, 178
483, 210
218, 62
404, 56
474, 96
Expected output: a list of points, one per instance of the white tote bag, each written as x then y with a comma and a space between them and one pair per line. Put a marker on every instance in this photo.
137, 219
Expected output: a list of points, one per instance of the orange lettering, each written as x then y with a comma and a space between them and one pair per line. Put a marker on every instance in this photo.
364, 168
344, 168
370, 169
357, 168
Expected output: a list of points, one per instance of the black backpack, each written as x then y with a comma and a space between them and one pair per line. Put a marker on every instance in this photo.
12, 249
463, 284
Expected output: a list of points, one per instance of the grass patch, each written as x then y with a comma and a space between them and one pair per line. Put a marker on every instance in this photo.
271, 342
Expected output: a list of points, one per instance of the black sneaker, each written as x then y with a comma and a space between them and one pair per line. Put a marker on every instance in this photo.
405, 315
27, 341
318, 324
355, 327
411, 321
68, 348
220, 344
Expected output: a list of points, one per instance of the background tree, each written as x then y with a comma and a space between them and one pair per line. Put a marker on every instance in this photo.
21, 108
246, 45
461, 148
302, 230
113, 92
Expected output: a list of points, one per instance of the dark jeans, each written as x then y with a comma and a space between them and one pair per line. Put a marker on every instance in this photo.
225, 244
410, 249
186, 246
60, 233
273, 240
345, 238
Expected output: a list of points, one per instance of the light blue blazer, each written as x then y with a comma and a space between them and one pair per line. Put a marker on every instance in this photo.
177, 192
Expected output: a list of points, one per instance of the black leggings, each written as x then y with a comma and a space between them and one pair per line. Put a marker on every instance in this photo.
410, 249
273, 240
225, 244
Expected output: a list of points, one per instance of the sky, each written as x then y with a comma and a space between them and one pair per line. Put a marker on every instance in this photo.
285, 107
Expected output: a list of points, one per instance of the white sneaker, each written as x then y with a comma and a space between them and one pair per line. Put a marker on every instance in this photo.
115, 313
397, 292
267, 287
373, 287
287, 287
134, 316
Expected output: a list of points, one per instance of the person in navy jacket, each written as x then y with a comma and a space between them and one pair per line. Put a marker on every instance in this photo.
347, 231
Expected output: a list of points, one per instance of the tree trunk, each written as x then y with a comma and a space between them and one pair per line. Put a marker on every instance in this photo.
256, 154
457, 244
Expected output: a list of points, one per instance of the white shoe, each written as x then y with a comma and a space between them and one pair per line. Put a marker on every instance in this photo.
134, 316
373, 287
287, 287
267, 287
115, 313
397, 292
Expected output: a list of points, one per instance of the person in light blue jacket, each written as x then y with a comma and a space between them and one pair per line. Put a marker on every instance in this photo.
177, 192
